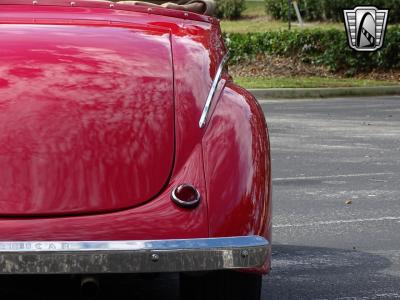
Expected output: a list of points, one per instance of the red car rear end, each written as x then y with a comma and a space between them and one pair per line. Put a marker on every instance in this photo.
123, 135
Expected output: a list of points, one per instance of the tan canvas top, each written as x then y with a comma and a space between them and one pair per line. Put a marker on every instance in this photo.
210, 4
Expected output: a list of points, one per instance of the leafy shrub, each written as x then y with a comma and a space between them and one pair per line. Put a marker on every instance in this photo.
319, 47
230, 9
328, 9
277, 9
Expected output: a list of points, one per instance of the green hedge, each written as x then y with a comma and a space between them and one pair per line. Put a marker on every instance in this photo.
319, 47
329, 9
230, 9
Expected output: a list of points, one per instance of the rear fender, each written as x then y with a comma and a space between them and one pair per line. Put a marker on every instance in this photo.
238, 168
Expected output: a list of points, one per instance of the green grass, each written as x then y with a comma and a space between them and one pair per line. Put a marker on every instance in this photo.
255, 19
308, 82
263, 24
254, 9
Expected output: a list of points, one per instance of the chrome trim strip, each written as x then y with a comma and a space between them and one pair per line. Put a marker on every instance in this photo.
70, 257
217, 79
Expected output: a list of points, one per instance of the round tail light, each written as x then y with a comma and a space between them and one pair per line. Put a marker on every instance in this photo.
186, 195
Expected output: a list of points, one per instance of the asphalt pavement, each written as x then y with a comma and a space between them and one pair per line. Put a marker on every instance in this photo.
336, 168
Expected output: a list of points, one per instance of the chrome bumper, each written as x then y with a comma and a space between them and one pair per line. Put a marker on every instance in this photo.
96, 257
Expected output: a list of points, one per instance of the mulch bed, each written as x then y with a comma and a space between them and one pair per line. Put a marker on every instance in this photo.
274, 66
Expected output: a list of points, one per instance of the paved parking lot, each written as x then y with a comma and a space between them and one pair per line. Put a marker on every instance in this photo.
336, 166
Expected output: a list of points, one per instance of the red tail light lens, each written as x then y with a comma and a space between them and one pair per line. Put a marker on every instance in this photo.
186, 195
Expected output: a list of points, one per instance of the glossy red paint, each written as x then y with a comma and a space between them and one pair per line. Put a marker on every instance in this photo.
238, 167
158, 219
228, 161
86, 126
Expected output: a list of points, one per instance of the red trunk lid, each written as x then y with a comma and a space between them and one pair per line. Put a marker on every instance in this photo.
86, 118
